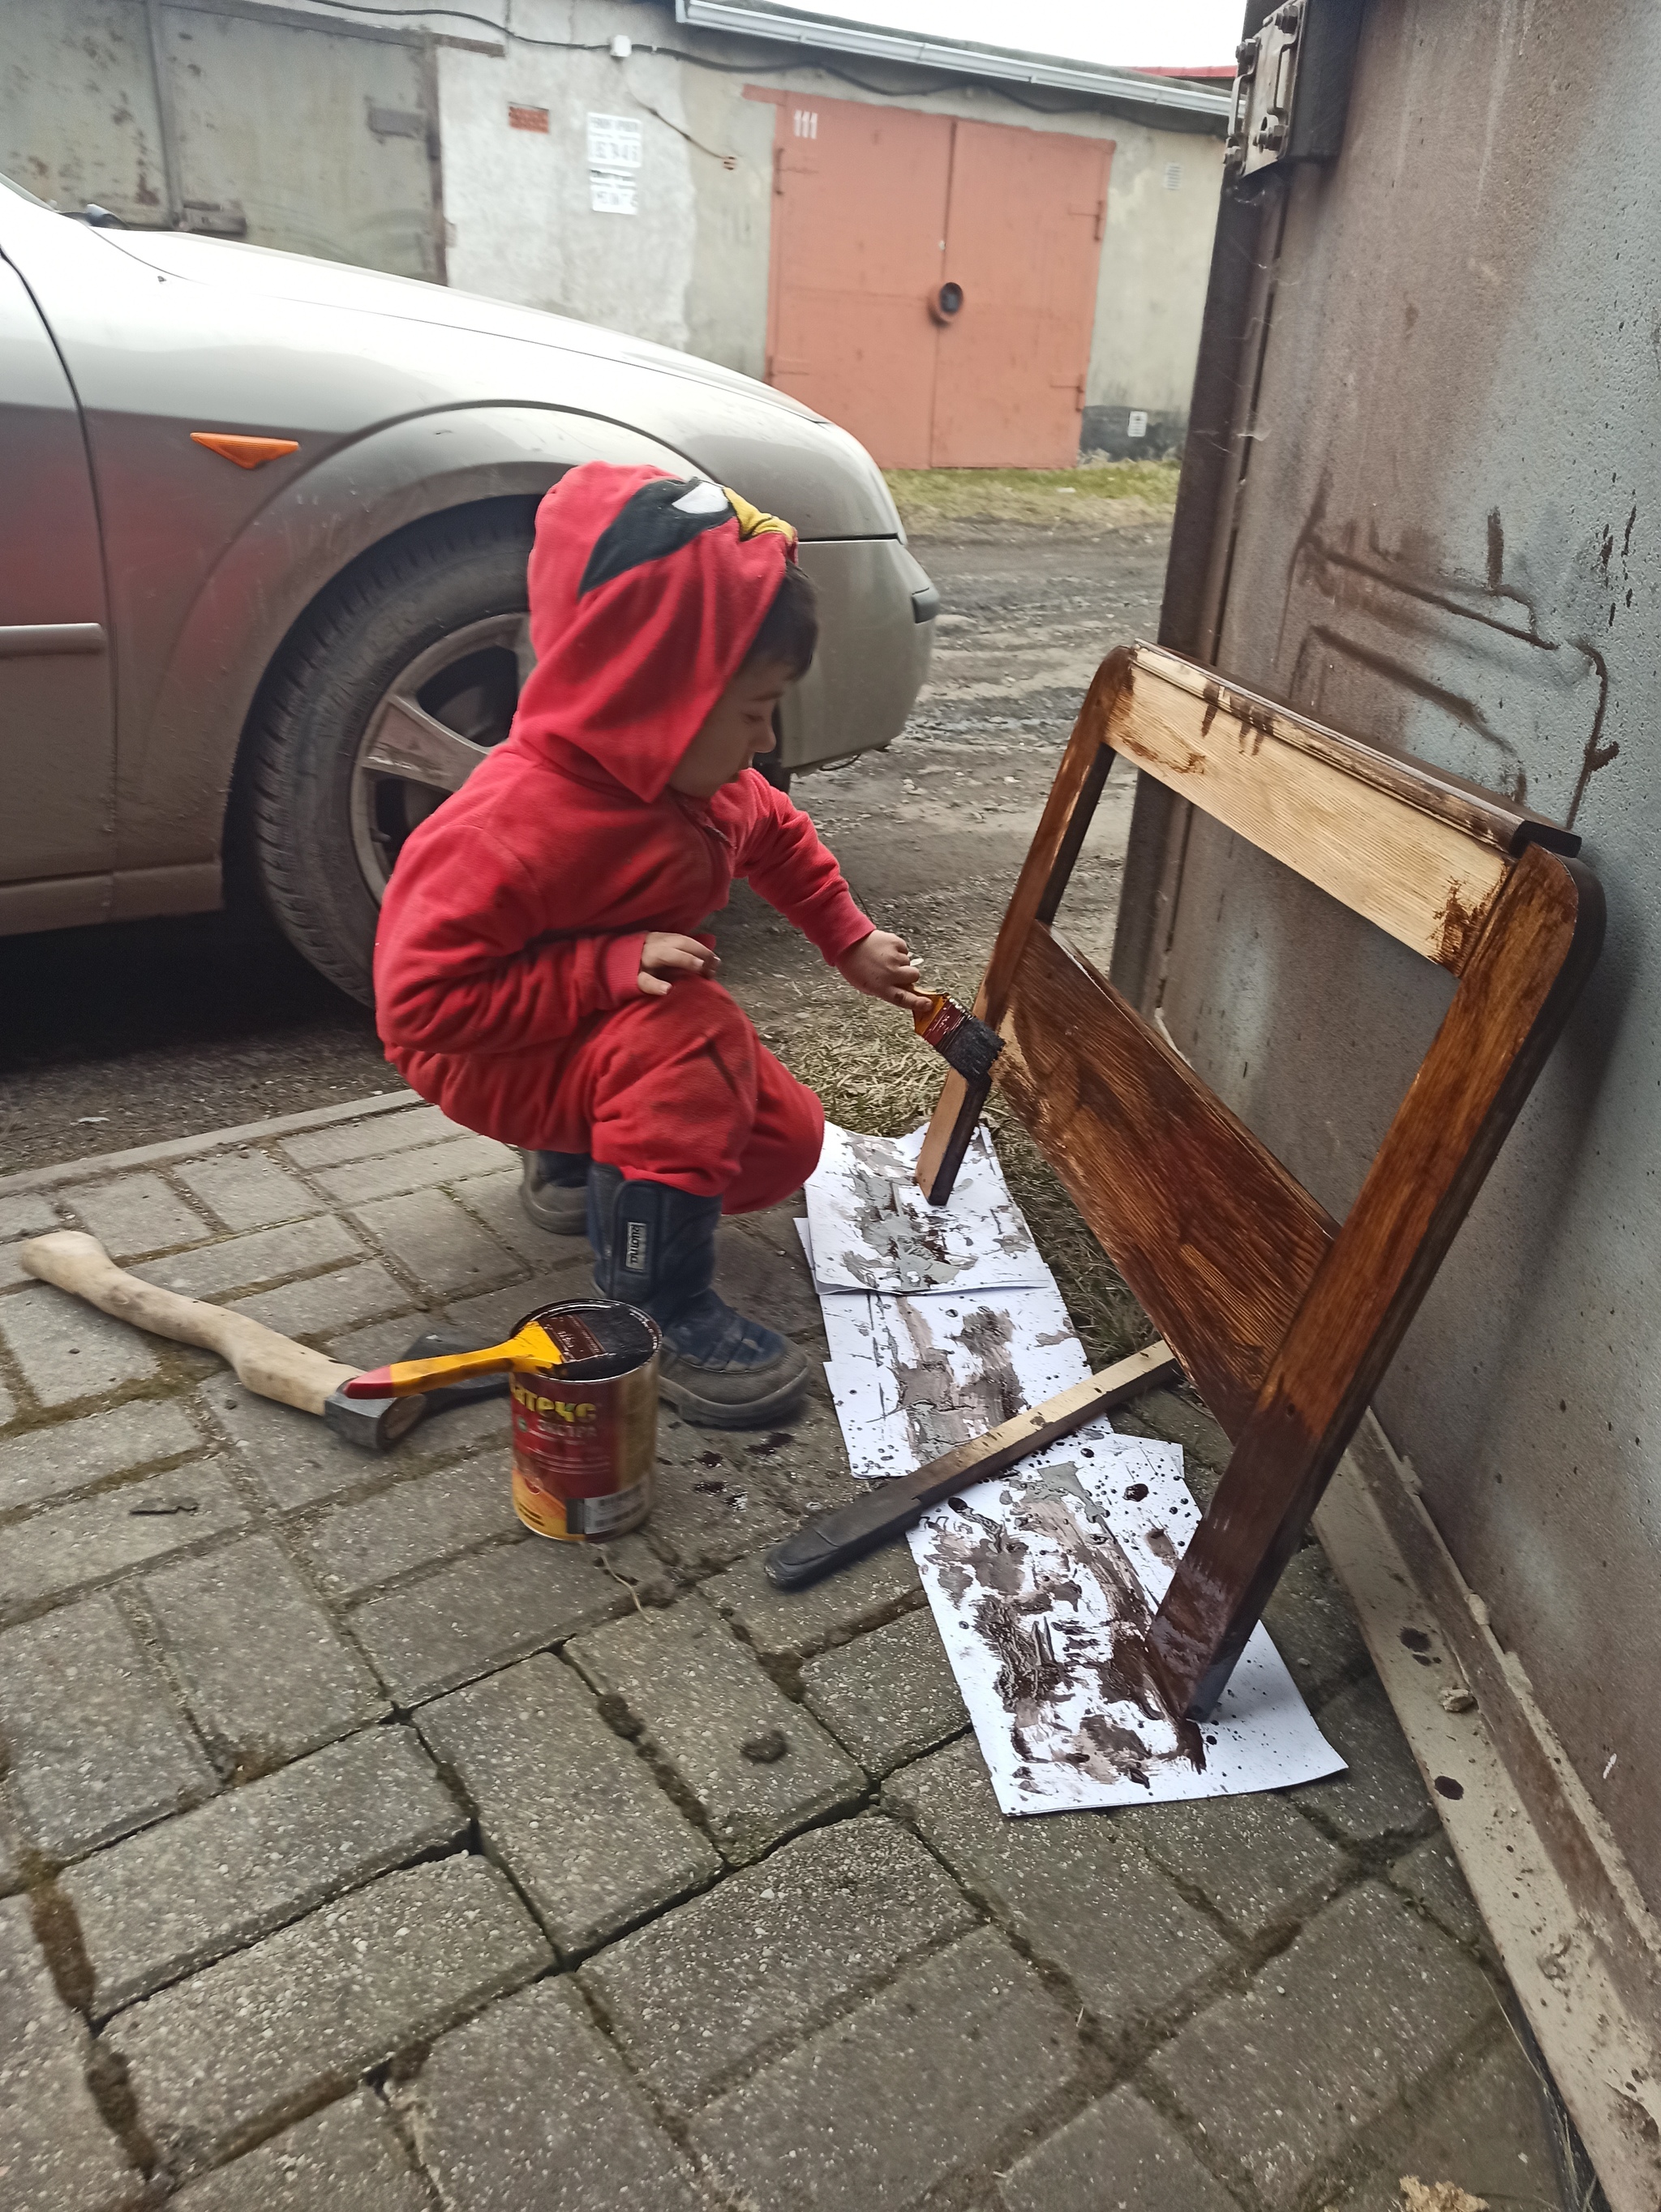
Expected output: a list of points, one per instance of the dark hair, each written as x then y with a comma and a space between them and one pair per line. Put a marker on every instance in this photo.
790, 629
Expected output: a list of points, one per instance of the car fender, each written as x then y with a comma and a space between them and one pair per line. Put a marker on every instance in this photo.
185, 753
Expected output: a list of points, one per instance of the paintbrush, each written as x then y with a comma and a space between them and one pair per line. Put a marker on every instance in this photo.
961, 1039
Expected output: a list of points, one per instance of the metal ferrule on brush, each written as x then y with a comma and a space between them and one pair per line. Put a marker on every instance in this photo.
963, 1041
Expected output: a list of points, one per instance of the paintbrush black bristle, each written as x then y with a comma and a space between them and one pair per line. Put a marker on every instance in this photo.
962, 1039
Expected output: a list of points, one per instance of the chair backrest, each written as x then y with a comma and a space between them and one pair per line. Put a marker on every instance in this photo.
1283, 1319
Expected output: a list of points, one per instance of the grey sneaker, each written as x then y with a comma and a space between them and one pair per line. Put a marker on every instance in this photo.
554, 1192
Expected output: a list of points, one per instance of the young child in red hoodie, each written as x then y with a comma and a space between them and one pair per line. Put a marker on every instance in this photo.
537, 973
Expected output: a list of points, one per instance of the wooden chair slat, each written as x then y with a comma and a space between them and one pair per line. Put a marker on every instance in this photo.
1218, 1242
1426, 881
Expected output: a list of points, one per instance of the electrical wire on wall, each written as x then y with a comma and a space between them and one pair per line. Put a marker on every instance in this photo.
505, 30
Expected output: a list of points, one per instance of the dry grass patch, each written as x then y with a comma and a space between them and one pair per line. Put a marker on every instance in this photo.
1096, 496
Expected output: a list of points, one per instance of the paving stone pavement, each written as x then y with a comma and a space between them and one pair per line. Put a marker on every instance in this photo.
359, 1851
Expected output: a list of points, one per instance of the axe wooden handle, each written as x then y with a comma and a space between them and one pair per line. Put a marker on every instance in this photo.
275, 1366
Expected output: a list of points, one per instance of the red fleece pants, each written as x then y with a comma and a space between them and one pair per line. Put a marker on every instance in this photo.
680, 1090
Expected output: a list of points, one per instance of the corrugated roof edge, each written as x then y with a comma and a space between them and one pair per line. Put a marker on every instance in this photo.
762, 21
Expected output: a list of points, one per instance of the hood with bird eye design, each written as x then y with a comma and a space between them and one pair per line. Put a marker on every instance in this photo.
647, 590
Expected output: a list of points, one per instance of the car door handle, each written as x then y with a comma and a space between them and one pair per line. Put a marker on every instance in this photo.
17, 639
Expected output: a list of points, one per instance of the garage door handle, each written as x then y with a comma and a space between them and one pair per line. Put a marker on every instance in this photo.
948, 303
21, 639
925, 603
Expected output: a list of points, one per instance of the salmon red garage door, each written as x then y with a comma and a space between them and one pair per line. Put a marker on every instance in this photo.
933, 280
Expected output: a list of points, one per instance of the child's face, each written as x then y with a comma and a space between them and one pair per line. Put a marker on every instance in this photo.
738, 725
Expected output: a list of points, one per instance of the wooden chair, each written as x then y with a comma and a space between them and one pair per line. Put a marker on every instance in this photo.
1283, 1319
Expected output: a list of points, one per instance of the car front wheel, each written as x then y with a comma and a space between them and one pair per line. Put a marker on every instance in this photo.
398, 681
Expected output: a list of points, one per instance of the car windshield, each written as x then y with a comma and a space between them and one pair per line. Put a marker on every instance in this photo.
22, 195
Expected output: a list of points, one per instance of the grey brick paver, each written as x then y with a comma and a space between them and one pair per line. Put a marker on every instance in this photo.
264, 1671
323, 1305
67, 1350
758, 1766
96, 1745
568, 1810
28, 1213
1429, 1874
1313, 1627
296, 1460
1086, 1901
65, 1548
1382, 1794
526, 2110
220, 2059
495, 1200
240, 1263
413, 1524
389, 1132
888, 1697
1119, 2156
921, 2082
248, 1190
1368, 2001
182, 1893
55, 2154
1253, 1858
390, 1173
1485, 2128
439, 1243
791, 1624
347, 2158
709, 1509
494, 1313
136, 1213
11, 1843
765, 1957
67, 1456
482, 1611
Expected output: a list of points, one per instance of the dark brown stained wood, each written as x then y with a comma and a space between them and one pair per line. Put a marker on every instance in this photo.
1045, 871
1523, 976
820, 1546
1470, 807
1215, 1238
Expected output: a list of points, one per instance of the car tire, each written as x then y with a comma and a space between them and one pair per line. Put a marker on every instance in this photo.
395, 609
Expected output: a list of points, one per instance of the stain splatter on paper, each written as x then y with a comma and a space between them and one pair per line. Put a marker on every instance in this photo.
874, 1230
1043, 1583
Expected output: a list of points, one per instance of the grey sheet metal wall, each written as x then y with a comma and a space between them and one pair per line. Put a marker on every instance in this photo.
1437, 523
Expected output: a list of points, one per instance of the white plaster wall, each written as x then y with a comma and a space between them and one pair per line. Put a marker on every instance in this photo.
1155, 260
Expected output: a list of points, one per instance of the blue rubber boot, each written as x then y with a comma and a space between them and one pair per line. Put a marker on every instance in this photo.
554, 1191
654, 1248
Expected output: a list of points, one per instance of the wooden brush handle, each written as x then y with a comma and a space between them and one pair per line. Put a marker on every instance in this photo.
275, 1366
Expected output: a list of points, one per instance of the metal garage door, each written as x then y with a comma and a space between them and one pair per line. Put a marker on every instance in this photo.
880, 215
225, 117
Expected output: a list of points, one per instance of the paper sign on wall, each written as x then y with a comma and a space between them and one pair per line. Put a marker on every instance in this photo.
614, 161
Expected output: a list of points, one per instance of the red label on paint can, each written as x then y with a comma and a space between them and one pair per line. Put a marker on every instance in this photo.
585, 1434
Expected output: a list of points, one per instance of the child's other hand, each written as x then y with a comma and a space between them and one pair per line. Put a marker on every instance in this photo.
666, 956
881, 966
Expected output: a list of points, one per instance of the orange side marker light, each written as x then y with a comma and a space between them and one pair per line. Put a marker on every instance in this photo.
246, 452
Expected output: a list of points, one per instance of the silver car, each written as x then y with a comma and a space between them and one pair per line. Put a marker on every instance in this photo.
262, 564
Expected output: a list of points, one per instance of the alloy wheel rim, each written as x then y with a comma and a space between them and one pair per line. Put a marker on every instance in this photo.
441, 715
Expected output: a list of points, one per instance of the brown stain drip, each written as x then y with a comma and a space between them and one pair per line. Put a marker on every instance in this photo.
1011, 1617
1457, 929
941, 1411
892, 1238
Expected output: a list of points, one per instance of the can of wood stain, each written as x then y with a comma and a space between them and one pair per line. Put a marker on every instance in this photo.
586, 1432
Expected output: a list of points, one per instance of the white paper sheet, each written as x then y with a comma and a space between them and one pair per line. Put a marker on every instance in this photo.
910, 1377
874, 1230
1042, 1582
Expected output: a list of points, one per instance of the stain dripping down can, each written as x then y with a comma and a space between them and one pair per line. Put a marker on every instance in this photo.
585, 1433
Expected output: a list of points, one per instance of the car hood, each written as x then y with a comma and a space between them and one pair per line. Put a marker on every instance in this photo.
272, 274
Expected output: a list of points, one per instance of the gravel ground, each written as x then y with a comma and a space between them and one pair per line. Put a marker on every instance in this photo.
129, 1035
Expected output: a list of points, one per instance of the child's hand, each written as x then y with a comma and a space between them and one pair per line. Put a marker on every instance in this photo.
881, 966
666, 955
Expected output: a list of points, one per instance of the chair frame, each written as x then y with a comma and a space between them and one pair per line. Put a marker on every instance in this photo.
1283, 1320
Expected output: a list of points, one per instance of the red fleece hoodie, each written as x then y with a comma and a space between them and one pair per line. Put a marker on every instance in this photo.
516, 915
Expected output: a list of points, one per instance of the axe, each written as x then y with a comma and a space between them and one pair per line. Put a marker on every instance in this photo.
271, 1366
